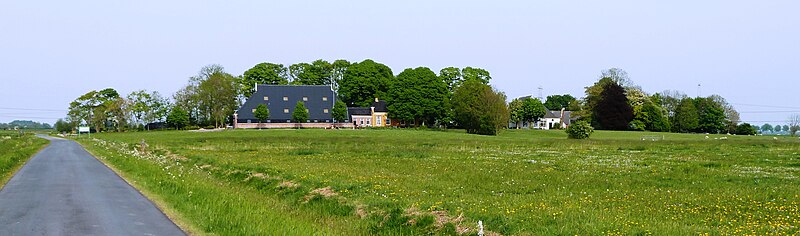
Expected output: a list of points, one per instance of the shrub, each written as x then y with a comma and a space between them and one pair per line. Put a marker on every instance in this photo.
579, 130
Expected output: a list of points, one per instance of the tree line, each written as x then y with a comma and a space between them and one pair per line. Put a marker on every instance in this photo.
614, 102
414, 96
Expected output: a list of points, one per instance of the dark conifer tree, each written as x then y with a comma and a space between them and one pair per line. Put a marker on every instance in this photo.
613, 111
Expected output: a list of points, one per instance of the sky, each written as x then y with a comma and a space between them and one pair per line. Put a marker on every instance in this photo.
51, 52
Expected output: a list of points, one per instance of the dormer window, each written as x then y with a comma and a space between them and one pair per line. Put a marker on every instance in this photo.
324, 99
305, 99
285, 98
266, 98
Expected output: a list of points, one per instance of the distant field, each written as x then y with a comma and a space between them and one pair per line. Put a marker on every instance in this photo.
522, 182
15, 150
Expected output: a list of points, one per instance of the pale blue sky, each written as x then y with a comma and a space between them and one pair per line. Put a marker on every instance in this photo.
51, 52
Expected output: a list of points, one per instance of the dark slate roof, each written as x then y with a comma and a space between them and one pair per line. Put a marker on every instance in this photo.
552, 114
359, 111
380, 106
294, 93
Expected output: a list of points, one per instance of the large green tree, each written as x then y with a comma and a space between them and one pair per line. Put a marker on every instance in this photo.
477, 74
532, 109
261, 113
263, 73
339, 112
686, 117
178, 118
147, 107
218, 97
417, 95
480, 109
338, 68
766, 127
556, 102
613, 111
300, 114
318, 72
711, 116
363, 82
99, 109
452, 77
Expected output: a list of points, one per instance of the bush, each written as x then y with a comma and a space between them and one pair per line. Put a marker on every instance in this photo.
579, 130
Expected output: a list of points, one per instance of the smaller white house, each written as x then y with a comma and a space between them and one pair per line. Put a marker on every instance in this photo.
551, 119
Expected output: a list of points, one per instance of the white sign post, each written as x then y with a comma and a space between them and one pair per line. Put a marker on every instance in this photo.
83, 129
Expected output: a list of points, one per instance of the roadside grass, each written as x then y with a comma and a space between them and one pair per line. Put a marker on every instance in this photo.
523, 182
15, 151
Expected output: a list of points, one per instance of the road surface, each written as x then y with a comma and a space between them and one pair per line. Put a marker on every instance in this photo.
63, 190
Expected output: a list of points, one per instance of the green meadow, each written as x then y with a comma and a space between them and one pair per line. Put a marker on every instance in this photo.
15, 150
410, 182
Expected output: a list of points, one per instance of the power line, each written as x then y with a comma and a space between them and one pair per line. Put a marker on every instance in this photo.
770, 106
768, 111
30, 109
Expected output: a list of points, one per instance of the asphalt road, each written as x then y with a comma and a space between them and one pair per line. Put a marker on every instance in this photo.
63, 190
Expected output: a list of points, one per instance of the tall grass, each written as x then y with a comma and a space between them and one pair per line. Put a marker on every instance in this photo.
521, 182
15, 150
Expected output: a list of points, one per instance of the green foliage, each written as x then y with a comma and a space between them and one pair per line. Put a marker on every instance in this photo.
300, 114
339, 112
711, 117
651, 117
178, 118
262, 112
515, 109
98, 109
777, 128
479, 109
63, 126
147, 107
745, 129
363, 82
475, 73
218, 97
319, 72
452, 77
532, 109
612, 111
637, 125
417, 94
686, 117
579, 130
556, 102
263, 73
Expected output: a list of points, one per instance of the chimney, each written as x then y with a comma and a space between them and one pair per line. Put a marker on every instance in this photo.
256, 86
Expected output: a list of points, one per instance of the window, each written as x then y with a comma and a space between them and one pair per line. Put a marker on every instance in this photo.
285, 110
367, 122
324, 98
378, 121
266, 98
305, 99
285, 98
325, 110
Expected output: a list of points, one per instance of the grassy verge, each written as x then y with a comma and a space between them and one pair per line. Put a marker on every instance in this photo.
204, 204
522, 182
15, 151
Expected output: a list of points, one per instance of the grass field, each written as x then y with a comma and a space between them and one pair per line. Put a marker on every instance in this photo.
15, 150
522, 182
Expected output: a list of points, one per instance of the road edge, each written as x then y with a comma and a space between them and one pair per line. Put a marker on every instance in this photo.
4, 180
173, 215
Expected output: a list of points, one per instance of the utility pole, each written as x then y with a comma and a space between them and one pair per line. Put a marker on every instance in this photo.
698, 90
540, 93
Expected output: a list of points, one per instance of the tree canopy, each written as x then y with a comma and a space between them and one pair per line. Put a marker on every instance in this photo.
363, 82
417, 94
556, 102
480, 109
613, 111
263, 73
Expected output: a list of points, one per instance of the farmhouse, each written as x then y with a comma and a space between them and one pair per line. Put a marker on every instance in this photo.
376, 115
551, 120
555, 119
281, 101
